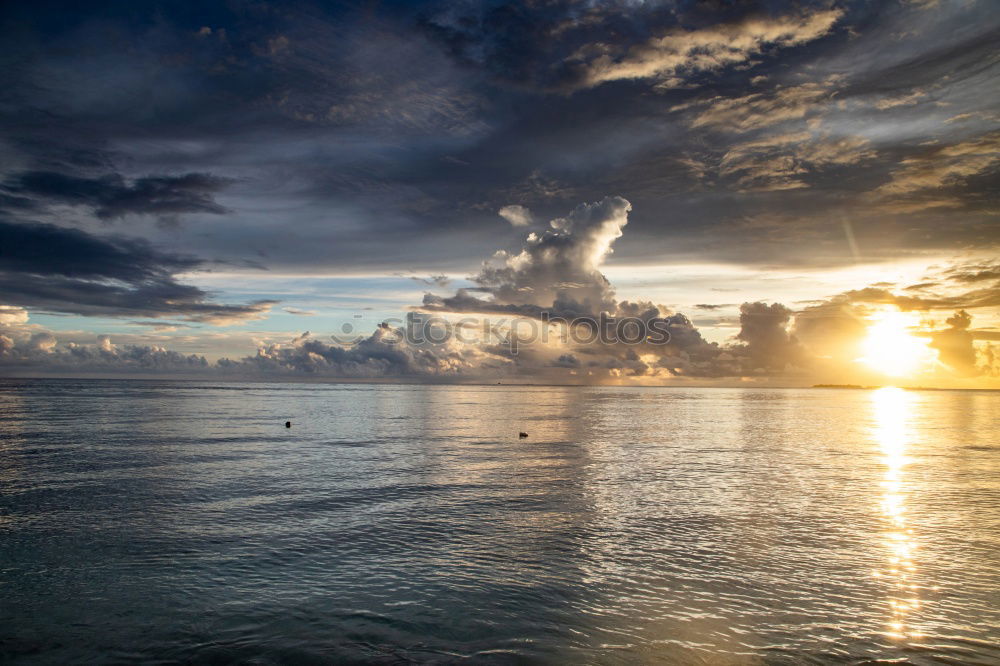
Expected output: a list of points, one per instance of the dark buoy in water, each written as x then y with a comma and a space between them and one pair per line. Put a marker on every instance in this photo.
522, 435
288, 424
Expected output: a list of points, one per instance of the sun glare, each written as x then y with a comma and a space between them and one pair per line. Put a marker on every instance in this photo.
890, 348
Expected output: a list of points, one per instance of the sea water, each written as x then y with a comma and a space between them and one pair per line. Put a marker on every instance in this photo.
182, 521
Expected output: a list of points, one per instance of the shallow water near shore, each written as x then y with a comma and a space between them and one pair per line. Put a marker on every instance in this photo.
181, 521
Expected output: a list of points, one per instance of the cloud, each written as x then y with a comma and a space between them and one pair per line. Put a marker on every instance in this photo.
562, 263
300, 313
518, 216
936, 176
975, 272
41, 343
764, 330
907, 99
759, 110
781, 162
327, 143
983, 297
383, 354
112, 197
433, 280
558, 275
69, 270
954, 344
566, 361
42, 354
554, 279
832, 329
670, 57
10, 315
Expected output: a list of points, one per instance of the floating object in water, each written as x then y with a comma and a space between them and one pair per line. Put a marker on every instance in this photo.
522, 435
288, 424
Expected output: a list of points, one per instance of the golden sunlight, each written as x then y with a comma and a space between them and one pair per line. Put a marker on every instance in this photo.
892, 410
890, 348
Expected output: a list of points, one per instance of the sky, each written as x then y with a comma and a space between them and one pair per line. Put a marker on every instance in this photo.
797, 193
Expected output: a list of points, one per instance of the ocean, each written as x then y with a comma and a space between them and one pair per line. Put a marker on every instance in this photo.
163, 521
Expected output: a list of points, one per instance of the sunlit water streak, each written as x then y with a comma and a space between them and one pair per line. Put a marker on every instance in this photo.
892, 409
183, 522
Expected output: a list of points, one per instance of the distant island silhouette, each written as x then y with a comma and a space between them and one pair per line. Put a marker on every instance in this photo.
845, 386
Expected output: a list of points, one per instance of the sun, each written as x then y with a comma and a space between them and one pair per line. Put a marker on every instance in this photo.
890, 348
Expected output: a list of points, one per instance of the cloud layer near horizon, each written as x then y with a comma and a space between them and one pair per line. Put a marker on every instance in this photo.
555, 281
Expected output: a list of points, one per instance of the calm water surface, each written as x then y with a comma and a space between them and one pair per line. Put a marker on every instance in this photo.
176, 521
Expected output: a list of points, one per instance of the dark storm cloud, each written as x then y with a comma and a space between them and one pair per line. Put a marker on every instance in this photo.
68, 270
420, 121
45, 250
111, 197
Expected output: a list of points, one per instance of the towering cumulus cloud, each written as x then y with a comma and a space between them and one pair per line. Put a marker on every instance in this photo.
557, 276
557, 269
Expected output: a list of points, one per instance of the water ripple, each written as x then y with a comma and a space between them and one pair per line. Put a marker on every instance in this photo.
170, 521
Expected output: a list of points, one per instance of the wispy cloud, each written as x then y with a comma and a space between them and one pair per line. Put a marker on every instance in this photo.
930, 178
668, 58
518, 216
759, 110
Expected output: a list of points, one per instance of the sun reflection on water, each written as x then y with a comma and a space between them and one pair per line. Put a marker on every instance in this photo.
892, 410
